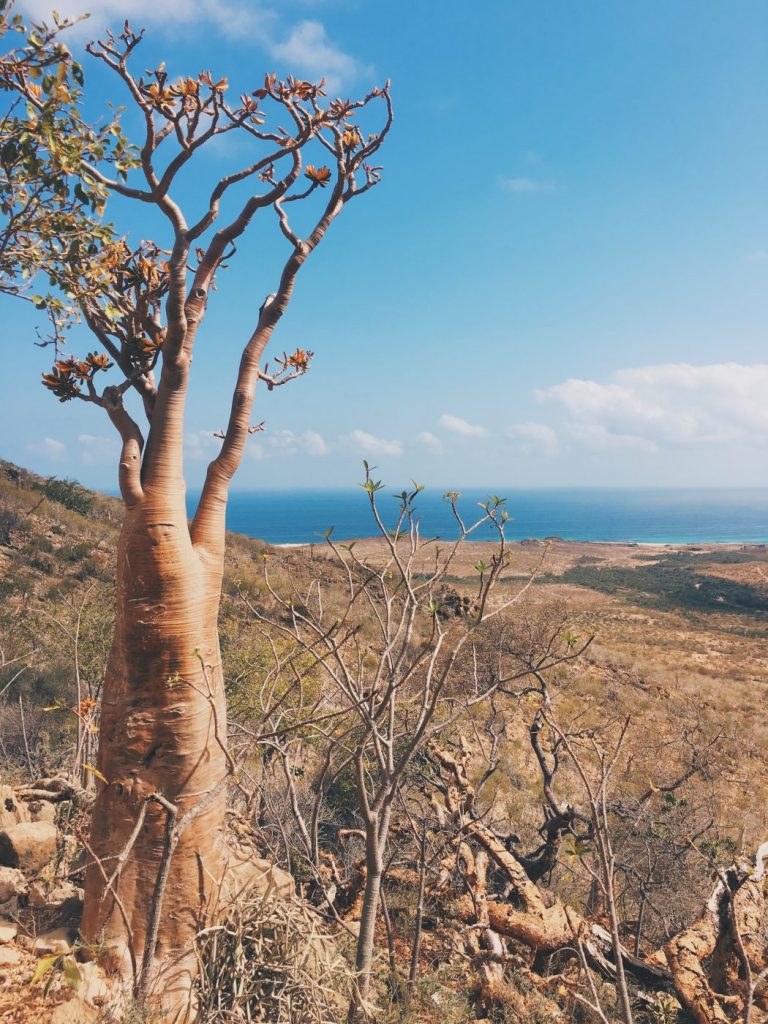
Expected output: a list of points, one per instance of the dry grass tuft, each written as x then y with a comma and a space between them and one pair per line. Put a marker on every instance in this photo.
269, 960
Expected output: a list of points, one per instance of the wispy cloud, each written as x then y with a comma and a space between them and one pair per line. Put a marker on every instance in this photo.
308, 49
372, 445
286, 442
225, 17
303, 48
49, 447
525, 184
203, 444
459, 426
429, 440
669, 404
96, 448
534, 437
597, 438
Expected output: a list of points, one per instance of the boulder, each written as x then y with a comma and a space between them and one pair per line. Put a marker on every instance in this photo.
12, 810
28, 846
12, 884
42, 810
53, 896
58, 940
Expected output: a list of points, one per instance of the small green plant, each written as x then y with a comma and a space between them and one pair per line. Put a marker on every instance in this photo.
719, 849
48, 966
664, 1009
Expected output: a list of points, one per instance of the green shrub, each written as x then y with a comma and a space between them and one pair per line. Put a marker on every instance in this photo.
68, 493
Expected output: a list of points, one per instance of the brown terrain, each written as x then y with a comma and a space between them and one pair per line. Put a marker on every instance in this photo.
680, 646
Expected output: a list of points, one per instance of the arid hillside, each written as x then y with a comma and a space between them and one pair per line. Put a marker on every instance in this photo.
652, 657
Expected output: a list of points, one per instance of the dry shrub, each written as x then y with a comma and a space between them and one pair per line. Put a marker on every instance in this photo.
270, 961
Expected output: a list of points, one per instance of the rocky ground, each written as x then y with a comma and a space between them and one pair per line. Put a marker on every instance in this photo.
41, 977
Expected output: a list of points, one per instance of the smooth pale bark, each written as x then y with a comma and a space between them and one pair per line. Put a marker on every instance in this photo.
162, 732
365, 946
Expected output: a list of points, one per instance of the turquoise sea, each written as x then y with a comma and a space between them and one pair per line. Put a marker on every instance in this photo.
641, 515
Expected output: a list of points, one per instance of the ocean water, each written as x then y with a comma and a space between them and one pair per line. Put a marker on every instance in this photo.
641, 515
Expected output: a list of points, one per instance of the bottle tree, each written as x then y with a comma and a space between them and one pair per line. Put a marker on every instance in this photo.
156, 849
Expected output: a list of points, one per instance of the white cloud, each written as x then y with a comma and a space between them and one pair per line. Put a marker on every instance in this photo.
228, 18
314, 443
303, 48
371, 445
534, 437
286, 442
428, 440
459, 426
524, 184
668, 404
95, 448
201, 444
598, 439
50, 448
308, 50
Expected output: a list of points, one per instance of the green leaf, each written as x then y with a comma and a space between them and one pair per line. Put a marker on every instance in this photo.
43, 966
72, 973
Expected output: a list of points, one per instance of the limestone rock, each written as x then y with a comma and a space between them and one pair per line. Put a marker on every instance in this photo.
8, 931
10, 957
74, 1011
59, 940
64, 892
12, 810
12, 884
93, 988
37, 895
248, 873
28, 846
42, 810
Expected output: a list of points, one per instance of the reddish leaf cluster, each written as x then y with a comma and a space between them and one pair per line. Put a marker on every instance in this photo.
298, 360
318, 175
68, 374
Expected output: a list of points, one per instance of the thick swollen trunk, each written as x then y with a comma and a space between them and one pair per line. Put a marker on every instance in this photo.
162, 734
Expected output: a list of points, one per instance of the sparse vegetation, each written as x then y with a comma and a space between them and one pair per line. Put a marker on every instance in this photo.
674, 582
677, 809
401, 779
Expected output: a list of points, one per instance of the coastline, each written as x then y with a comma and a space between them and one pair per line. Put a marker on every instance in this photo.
691, 546
622, 516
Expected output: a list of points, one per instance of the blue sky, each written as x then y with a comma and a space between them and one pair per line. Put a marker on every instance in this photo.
562, 279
